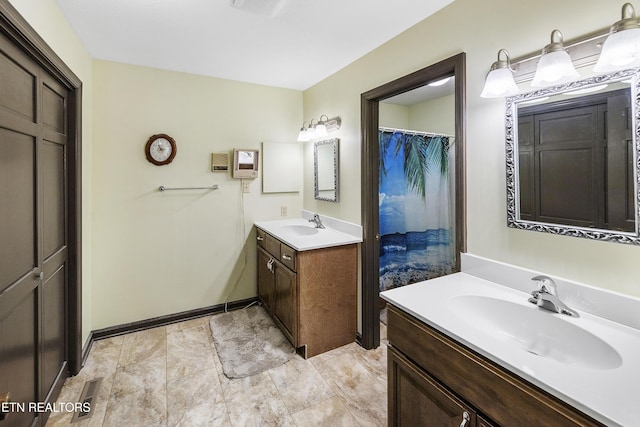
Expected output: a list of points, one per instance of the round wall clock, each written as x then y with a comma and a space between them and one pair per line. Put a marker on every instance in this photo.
160, 149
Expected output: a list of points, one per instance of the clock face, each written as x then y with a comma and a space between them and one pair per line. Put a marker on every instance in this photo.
160, 149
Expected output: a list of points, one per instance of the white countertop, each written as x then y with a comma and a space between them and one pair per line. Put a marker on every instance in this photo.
608, 395
302, 235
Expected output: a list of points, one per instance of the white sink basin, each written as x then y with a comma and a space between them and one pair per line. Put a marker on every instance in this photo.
302, 235
536, 331
299, 230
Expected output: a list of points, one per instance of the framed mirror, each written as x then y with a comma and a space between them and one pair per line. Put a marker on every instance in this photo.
325, 170
573, 158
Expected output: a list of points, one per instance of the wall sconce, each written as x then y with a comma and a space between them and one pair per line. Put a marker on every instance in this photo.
621, 50
302, 135
499, 81
554, 66
611, 49
319, 130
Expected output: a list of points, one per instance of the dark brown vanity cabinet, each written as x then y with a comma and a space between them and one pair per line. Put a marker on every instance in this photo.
311, 295
433, 380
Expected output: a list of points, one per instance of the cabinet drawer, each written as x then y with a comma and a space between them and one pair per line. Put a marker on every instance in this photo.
288, 256
261, 236
272, 245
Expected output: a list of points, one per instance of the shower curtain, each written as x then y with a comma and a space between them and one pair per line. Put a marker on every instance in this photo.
416, 207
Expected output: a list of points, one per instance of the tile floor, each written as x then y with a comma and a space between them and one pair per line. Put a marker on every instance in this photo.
171, 376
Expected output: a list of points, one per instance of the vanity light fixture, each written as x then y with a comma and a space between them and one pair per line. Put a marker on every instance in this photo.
320, 129
499, 81
621, 50
302, 135
554, 66
611, 49
311, 130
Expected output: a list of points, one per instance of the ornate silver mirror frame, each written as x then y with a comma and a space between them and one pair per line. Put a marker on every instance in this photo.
325, 170
511, 123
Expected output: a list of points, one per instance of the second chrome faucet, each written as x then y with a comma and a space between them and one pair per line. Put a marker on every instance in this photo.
547, 297
317, 221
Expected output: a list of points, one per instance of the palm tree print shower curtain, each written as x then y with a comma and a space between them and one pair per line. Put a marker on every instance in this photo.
416, 208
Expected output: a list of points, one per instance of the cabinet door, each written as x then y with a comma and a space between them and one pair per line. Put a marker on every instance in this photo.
415, 399
265, 280
285, 306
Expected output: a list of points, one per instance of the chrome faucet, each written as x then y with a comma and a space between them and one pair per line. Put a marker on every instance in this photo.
317, 221
547, 297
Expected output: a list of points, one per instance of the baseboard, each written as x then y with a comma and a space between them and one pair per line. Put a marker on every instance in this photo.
114, 331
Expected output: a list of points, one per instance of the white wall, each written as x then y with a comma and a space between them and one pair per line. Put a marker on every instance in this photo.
45, 17
161, 253
480, 29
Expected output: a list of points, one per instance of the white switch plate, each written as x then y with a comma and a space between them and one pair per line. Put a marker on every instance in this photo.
283, 211
246, 186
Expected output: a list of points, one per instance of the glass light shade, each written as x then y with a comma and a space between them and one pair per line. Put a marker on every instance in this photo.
302, 136
311, 133
499, 83
321, 131
554, 68
620, 51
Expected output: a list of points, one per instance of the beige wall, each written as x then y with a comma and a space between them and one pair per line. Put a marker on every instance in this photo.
436, 116
45, 17
479, 29
160, 253
148, 254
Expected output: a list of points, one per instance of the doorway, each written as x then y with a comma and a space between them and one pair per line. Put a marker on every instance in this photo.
370, 158
40, 274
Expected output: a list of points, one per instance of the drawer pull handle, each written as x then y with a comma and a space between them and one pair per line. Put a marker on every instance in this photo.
260, 238
286, 257
465, 419
270, 264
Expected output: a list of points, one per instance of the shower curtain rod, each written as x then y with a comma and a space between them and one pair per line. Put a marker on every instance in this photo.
414, 132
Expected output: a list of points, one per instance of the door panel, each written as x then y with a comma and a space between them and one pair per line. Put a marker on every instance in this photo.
18, 207
51, 166
53, 326
18, 347
52, 172
53, 112
17, 81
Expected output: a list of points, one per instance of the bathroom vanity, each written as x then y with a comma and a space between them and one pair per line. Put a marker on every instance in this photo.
307, 282
432, 377
465, 350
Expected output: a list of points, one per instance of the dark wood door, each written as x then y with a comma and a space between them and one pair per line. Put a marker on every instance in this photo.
265, 279
417, 400
285, 302
33, 232
576, 162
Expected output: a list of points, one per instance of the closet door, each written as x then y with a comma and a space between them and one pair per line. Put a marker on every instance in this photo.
33, 233
53, 237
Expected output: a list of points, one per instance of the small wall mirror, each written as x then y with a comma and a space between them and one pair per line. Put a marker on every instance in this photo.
572, 158
325, 170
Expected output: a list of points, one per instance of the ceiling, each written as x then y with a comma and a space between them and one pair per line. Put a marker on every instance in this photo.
424, 93
297, 45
